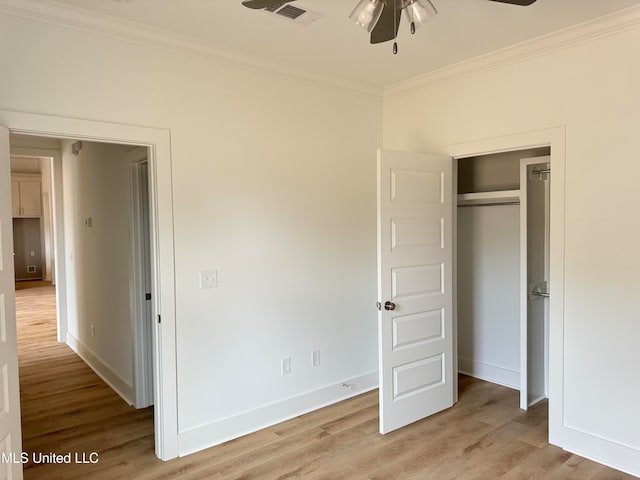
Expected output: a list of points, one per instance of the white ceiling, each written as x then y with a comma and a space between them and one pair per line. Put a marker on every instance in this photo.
335, 47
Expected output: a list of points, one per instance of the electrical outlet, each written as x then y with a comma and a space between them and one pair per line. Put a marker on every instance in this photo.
93, 330
315, 358
209, 279
285, 366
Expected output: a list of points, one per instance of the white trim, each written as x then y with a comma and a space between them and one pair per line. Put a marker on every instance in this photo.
524, 283
229, 428
104, 371
490, 373
46, 236
76, 18
94, 23
26, 176
454, 279
618, 456
554, 137
158, 142
140, 313
606, 25
478, 198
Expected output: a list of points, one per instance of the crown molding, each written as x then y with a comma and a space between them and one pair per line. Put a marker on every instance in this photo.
66, 16
611, 24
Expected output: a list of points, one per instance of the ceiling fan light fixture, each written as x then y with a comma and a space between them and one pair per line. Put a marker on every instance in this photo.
418, 12
367, 13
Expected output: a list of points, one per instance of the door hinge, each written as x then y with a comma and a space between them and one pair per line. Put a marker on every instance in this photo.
147, 296
159, 319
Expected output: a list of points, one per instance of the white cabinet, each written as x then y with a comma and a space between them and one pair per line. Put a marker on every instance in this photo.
26, 196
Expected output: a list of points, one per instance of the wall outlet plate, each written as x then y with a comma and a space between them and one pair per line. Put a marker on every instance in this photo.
209, 279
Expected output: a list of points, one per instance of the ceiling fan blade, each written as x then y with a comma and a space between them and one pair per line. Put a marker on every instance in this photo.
387, 26
262, 4
522, 3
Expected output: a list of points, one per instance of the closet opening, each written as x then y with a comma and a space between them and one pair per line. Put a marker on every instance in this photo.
502, 270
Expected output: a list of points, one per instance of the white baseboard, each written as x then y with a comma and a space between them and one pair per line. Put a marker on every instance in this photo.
206, 436
490, 373
104, 371
607, 452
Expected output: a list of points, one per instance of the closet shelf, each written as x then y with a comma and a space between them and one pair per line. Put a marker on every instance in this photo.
479, 198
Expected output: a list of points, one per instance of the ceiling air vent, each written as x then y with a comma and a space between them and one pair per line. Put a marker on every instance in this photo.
291, 12
294, 14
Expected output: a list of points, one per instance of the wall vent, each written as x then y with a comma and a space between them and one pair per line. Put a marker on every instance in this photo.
294, 14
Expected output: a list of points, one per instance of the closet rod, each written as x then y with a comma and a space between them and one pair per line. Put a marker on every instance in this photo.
489, 204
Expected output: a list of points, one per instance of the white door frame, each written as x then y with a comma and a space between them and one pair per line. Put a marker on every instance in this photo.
162, 245
10, 430
556, 139
140, 257
524, 285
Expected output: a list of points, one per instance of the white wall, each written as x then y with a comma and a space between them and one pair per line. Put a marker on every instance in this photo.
273, 185
488, 276
591, 88
98, 260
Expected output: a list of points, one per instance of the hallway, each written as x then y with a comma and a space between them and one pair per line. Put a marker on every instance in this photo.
65, 406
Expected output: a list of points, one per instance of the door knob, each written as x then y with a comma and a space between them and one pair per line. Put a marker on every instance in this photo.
389, 306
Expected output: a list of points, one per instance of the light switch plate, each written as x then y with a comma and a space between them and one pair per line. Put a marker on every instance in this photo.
209, 279
285, 366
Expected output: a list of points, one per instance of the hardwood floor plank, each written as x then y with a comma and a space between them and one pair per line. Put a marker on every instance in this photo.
66, 407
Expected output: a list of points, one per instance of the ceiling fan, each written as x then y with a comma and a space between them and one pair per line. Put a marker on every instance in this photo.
381, 17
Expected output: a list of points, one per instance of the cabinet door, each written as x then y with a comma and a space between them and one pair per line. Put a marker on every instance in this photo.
30, 198
15, 198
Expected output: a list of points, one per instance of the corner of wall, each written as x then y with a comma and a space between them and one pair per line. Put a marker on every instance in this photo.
111, 378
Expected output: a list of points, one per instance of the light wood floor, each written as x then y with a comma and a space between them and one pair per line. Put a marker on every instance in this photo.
67, 408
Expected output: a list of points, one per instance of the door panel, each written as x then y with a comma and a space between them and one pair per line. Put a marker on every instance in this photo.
10, 434
415, 214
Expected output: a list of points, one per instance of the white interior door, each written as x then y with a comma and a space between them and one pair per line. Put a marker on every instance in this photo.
415, 268
534, 280
10, 434
141, 254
